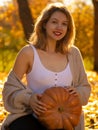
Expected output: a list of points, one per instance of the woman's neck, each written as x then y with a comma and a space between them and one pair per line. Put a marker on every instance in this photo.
51, 46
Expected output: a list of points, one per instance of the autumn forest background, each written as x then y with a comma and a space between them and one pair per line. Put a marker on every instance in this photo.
17, 20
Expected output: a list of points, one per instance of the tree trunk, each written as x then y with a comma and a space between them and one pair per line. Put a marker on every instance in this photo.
95, 3
25, 17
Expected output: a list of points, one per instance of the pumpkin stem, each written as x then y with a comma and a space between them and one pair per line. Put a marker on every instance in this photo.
60, 109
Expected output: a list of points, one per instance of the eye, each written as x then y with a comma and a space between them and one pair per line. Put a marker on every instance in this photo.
65, 24
54, 21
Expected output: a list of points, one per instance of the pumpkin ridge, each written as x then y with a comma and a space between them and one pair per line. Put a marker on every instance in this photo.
73, 102
49, 92
51, 102
73, 119
67, 124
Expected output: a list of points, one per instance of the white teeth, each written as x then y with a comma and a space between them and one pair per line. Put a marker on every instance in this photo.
57, 33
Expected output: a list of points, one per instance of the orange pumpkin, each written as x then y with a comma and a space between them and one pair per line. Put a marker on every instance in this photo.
63, 111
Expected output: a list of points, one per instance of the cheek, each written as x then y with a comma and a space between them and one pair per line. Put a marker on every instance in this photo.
49, 28
65, 30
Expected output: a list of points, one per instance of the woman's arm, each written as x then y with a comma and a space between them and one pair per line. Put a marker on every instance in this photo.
83, 86
24, 62
16, 96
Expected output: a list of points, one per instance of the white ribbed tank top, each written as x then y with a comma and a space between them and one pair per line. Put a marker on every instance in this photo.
41, 78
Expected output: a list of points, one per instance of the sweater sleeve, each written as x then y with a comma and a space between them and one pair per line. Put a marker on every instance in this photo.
84, 88
81, 82
16, 95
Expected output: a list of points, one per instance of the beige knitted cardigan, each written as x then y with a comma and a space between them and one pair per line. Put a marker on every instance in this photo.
16, 95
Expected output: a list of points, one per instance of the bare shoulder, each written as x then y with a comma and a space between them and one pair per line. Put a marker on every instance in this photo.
24, 61
25, 56
26, 50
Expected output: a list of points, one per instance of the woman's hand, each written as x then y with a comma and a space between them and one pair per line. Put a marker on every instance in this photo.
36, 105
72, 90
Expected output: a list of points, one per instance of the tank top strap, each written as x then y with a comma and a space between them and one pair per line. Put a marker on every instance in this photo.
33, 48
36, 56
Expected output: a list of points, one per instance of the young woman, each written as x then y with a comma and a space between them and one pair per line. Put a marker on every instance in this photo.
49, 60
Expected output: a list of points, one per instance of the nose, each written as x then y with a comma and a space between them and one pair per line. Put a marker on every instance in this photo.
59, 26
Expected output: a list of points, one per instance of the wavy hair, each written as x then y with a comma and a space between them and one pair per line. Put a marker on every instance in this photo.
38, 37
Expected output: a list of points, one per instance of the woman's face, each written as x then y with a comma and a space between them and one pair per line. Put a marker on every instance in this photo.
56, 27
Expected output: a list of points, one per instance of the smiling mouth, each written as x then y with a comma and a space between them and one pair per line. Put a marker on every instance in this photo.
57, 33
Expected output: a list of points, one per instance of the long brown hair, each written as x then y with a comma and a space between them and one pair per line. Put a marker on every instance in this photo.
38, 37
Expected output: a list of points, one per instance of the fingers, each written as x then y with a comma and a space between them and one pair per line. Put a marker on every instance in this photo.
36, 105
72, 90
38, 109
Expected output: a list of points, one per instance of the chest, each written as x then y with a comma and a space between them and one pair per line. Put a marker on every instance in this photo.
55, 62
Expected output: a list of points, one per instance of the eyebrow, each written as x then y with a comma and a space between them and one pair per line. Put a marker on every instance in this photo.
57, 19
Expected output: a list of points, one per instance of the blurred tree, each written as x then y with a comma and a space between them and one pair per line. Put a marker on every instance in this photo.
83, 17
11, 36
10, 28
36, 6
95, 3
26, 17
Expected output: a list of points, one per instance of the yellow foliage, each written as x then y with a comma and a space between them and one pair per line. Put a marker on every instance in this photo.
1, 28
83, 15
36, 7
